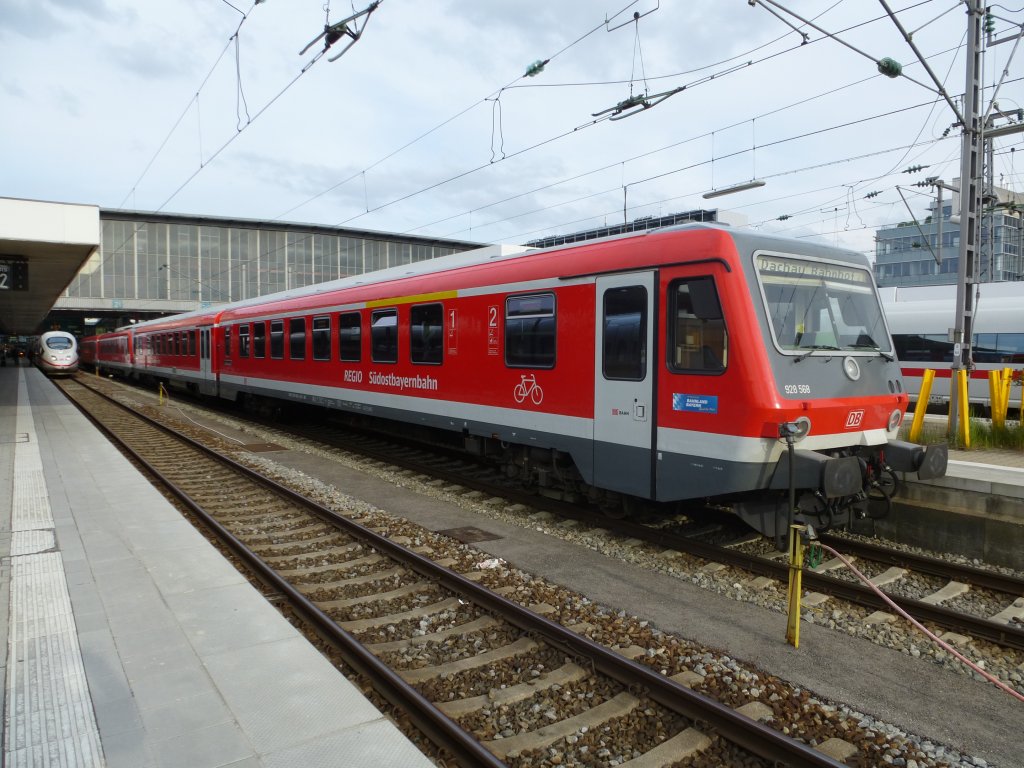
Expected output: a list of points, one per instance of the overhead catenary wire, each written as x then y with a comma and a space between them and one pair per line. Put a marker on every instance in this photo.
490, 97
516, 83
367, 207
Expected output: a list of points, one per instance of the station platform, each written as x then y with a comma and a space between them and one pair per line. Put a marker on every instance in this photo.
977, 509
131, 642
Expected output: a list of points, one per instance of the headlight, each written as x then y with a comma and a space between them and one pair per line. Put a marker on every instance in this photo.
894, 419
851, 368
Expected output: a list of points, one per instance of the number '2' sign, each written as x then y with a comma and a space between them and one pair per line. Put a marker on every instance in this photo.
13, 275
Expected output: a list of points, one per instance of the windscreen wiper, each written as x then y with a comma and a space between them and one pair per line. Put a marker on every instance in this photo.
814, 348
886, 355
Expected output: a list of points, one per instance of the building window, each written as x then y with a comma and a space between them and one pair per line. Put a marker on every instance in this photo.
426, 333
530, 331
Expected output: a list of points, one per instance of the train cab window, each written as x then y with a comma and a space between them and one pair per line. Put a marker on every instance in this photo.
426, 333
699, 341
384, 336
624, 357
530, 331
322, 338
243, 340
350, 337
227, 341
277, 339
191, 336
259, 339
297, 338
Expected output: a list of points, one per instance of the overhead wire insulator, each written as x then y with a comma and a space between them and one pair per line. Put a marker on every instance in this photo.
890, 67
536, 68
870, 195
914, 168
783, 217
990, 23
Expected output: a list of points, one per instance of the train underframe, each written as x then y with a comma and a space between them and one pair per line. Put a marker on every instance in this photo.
829, 489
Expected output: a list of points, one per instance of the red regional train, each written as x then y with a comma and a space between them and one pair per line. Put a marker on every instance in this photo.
683, 364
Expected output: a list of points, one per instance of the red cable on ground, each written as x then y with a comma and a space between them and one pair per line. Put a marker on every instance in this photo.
942, 643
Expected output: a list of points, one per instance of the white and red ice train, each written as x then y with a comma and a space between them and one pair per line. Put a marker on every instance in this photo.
682, 364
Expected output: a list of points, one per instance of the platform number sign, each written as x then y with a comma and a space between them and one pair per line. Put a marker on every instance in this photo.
13, 274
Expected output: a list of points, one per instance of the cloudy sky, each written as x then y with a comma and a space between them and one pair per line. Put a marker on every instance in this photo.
428, 124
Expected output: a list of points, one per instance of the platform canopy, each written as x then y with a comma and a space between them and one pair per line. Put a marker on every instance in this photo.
42, 247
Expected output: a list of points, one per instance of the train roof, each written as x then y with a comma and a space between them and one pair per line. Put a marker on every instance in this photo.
931, 310
745, 241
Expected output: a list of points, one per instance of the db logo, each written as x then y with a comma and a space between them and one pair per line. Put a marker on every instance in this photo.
854, 419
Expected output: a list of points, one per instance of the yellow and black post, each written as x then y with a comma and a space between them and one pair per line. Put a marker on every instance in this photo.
796, 565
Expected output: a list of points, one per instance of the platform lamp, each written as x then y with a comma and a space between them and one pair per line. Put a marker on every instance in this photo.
742, 187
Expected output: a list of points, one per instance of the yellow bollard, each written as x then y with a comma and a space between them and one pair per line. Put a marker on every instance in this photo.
163, 394
995, 391
1004, 399
965, 408
796, 564
922, 405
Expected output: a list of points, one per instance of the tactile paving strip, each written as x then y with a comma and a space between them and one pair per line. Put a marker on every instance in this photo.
31, 542
48, 717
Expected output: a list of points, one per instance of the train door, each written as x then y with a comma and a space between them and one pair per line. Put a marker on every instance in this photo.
207, 385
624, 400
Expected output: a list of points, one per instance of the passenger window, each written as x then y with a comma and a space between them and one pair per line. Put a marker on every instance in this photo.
699, 340
191, 336
530, 331
277, 339
350, 337
227, 341
297, 338
384, 336
243, 340
426, 333
625, 334
259, 339
322, 338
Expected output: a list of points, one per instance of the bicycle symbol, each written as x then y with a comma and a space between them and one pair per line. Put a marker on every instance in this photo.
528, 387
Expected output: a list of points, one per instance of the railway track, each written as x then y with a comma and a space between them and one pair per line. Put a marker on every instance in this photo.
489, 681
941, 592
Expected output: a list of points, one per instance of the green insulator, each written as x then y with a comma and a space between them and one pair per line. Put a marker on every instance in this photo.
536, 68
890, 67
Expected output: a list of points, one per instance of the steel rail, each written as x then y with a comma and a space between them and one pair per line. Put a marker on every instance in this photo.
438, 727
739, 729
1003, 634
967, 574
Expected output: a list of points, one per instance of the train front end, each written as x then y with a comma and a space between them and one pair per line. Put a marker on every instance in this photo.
57, 354
837, 400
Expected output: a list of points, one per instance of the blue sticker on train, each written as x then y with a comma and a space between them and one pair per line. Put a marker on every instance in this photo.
695, 403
